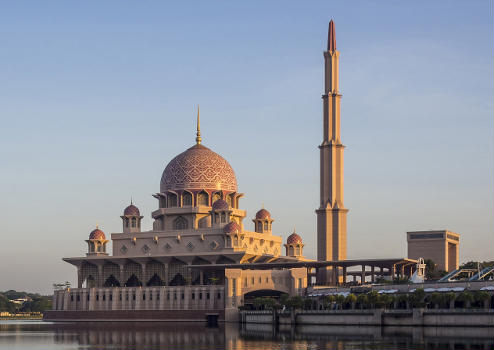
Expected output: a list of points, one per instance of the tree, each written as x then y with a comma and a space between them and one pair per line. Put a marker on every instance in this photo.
362, 301
431, 270
351, 299
465, 298
6, 304
386, 300
37, 305
480, 298
339, 299
284, 300
402, 301
373, 298
437, 299
307, 304
328, 301
448, 298
417, 298
296, 302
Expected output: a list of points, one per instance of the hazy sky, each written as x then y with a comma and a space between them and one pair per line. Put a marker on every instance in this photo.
98, 96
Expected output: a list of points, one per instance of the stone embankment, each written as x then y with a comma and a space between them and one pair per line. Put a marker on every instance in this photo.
375, 317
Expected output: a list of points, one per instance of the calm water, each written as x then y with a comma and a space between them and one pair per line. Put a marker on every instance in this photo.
187, 336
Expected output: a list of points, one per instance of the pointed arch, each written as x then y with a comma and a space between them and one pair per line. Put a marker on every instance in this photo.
180, 223
178, 280
155, 280
111, 282
133, 281
203, 198
186, 199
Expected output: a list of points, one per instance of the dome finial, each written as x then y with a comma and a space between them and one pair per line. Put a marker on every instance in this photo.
131, 201
198, 134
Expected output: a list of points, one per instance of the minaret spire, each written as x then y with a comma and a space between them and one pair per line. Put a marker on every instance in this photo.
331, 37
198, 133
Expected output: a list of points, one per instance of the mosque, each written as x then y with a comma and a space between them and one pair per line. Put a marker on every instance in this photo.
200, 259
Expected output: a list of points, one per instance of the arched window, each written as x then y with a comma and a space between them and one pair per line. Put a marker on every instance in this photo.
266, 225
180, 223
229, 200
126, 222
259, 226
172, 200
162, 202
216, 216
187, 199
134, 221
203, 198
216, 196
223, 217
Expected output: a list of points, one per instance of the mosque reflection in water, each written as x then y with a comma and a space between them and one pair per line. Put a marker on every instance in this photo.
191, 336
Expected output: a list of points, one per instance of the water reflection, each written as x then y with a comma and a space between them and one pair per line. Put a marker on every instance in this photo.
192, 336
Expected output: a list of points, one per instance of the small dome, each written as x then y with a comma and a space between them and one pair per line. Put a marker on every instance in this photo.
97, 234
132, 210
294, 239
263, 214
220, 204
232, 227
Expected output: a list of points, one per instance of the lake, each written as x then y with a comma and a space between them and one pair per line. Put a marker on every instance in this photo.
188, 336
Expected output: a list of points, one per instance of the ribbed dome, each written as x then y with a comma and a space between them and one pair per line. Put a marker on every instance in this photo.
263, 214
294, 239
220, 204
97, 234
132, 210
198, 168
232, 227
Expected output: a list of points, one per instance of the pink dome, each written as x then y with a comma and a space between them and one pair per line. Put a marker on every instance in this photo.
97, 234
132, 210
294, 239
263, 214
232, 227
220, 204
198, 168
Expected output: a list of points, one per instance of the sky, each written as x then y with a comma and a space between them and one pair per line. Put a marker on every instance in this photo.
97, 97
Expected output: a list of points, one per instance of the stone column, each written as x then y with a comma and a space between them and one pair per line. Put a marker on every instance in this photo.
115, 298
122, 275
99, 281
79, 277
92, 299
344, 274
373, 275
138, 302
362, 276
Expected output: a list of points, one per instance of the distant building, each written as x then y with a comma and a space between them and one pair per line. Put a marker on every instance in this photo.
441, 246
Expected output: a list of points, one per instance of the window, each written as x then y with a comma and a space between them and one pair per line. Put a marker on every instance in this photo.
168, 296
223, 217
78, 297
133, 297
120, 296
187, 199
97, 297
202, 198
219, 295
266, 225
193, 295
172, 200
267, 279
180, 223
111, 297
144, 296
175, 296
207, 296
71, 297
126, 222
259, 226
134, 222
158, 296
150, 296
182, 296
104, 297
253, 280
200, 296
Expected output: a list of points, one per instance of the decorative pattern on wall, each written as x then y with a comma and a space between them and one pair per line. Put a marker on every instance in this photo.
198, 168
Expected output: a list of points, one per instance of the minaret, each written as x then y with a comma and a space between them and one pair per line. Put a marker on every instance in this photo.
331, 215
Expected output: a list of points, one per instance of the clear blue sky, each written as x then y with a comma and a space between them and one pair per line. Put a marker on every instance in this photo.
98, 96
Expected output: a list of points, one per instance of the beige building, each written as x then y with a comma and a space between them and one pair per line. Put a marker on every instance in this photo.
441, 246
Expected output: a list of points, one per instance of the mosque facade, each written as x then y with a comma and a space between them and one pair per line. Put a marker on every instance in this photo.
200, 259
